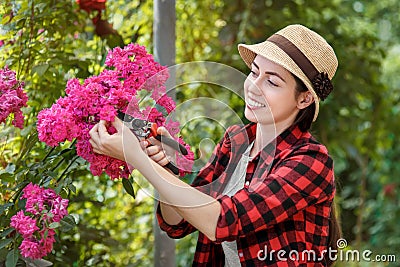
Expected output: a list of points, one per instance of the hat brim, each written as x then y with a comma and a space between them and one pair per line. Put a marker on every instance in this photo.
272, 52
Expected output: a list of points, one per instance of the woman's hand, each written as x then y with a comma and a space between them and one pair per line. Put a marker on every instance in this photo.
158, 152
113, 144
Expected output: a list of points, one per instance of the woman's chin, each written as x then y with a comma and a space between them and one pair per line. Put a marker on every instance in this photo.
258, 116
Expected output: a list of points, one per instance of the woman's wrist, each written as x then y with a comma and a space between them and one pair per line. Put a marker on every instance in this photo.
169, 214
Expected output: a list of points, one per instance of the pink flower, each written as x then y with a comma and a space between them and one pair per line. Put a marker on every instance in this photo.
167, 102
36, 248
43, 207
131, 72
172, 127
59, 208
12, 97
30, 248
47, 240
184, 163
34, 199
25, 225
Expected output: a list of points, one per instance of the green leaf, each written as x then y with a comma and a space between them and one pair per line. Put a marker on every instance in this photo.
66, 150
7, 232
5, 206
72, 188
6, 131
128, 187
6, 178
9, 169
32, 140
3, 254
67, 223
26, 130
40, 69
54, 225
12, 258
37, 262
5, 242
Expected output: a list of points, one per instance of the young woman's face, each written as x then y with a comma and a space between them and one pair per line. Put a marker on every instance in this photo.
270, 94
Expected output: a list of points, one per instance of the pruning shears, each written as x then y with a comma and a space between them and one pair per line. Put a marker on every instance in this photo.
144, 129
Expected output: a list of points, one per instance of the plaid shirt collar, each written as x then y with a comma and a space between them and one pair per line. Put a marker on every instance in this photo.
242, 138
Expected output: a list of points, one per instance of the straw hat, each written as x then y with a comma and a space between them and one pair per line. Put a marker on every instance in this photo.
301, 51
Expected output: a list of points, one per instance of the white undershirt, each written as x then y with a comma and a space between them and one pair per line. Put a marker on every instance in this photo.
236, 183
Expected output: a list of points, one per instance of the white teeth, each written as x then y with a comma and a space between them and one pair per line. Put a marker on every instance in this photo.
254, 103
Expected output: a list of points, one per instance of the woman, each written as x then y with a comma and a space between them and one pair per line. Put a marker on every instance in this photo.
265, 197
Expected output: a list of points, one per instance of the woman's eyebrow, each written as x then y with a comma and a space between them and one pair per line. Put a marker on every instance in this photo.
269, 72
275, 74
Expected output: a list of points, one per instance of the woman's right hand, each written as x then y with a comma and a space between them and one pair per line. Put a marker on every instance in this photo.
158, 152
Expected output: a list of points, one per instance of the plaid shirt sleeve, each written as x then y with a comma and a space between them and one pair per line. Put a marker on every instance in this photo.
179, 230
302, 179
214, 167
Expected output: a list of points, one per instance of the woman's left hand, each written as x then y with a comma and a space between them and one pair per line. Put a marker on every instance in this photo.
113, 144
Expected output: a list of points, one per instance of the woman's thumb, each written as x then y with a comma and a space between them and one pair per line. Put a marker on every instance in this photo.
163, 131
117, 123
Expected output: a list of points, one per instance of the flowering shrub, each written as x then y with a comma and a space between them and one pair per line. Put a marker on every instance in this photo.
43, 210
131, 72
12, 97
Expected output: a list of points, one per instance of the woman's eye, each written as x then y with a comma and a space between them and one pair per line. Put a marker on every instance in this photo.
272, 83
253, 73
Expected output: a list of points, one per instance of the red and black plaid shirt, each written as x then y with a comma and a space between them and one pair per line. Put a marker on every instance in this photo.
283, 211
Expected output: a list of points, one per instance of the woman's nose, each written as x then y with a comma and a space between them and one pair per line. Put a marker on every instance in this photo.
255, 86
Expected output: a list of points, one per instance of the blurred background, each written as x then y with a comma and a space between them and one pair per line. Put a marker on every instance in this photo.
48, 42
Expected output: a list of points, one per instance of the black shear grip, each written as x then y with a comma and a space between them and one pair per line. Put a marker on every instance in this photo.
172, 143
173, 168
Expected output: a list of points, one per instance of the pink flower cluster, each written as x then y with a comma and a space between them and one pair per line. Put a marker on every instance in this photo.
12, 97
43, 207
132, 77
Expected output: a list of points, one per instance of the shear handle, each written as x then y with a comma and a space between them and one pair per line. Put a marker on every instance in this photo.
172, 143
173, 168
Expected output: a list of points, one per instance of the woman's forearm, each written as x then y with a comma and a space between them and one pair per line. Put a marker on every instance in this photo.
199, 209
170, 215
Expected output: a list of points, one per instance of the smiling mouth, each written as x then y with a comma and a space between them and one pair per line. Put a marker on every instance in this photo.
255, 104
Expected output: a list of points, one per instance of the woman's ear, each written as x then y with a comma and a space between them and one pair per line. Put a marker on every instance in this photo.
304, 100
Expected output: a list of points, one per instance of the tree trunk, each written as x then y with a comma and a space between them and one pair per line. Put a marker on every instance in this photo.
164, 52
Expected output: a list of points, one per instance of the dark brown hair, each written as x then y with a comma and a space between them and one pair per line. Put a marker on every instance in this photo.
304, 120
305, 116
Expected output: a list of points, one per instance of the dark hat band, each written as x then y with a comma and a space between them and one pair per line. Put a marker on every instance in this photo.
320, 81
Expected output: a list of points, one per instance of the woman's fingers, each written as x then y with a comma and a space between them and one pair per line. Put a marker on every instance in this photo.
118, 124
99, 137
163, 131
152, 150
144, 144
157, 154
93, 144
94, 135
159, 157
102, 129
168, 151
95, 138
